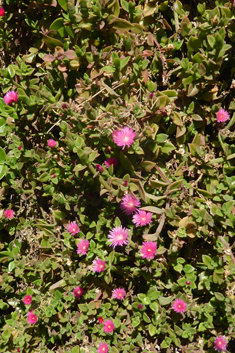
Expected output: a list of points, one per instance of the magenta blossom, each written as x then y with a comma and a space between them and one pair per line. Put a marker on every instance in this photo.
99, 168
51, 143
119, 293
103, 348
129, 204
78, 292
220, 344
2, 12
98, 265
27, 299
222, 115
124, 137
108, 326
118, 236
125, 183
32, 318
83, 247
111, 161
179, 306
72, 228
9, 213
149, 249
10, 97
141, 218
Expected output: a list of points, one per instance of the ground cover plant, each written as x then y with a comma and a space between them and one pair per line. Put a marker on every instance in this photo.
117, 176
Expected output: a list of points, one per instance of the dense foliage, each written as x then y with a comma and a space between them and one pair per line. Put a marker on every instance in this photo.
117, 176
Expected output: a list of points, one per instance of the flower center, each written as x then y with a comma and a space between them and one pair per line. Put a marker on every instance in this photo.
143, 219
120, 237
126, 138
74, 229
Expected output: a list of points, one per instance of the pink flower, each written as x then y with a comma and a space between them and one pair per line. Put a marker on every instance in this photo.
27, 299
103, 348
78, 292
149, 249
98, 265
108, 326
19, 148
220, 344
2, 12
141, 218
83, 247
124, 137
53, 175
129, 204
119, 293
32, 318
10, 97
9, 213
125, 183
100, 319
51, 143
188, 283
111, 161
179, 306
140, 306
99, 168
118, 236
72, 228
222, 115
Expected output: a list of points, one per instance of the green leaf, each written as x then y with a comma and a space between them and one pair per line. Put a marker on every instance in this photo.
185, 26
167, 147
206, 260
165, 300
45, 243
63, 4
150, 8
58, 25
122, 25
123, 62
147, 165
135, 322
126, 163
166, 342
3, 170
219, 296
11, 71
125, 5
3, 306
44, 177
152, 330
2, 155
193, 44
75, 349
52, 42
188, 268
161, 138
108, 69
153, 209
